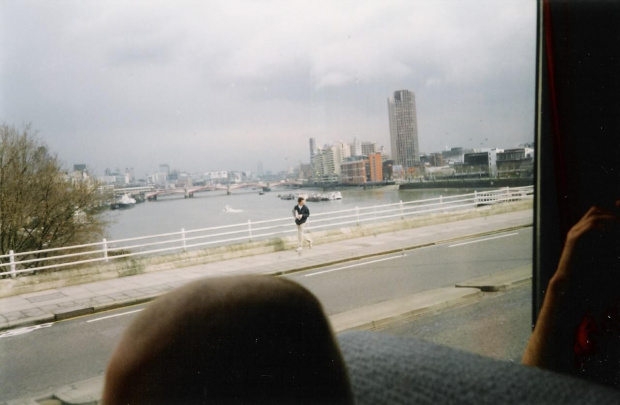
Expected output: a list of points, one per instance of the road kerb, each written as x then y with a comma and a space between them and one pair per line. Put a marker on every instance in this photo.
375, 316
83, 392
30, 321
127, 302
72, 312
500, 281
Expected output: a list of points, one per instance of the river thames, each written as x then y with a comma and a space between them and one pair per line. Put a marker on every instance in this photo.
208, 209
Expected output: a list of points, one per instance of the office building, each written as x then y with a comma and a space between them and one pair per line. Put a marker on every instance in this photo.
313, 149
353, 172
326, 163
375, 172
356, 148
404, 128
164, 168
453, 156
515, 163
369, 148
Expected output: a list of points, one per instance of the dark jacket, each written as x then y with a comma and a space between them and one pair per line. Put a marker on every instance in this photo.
304, 211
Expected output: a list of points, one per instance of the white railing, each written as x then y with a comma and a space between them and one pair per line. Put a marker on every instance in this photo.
12, 264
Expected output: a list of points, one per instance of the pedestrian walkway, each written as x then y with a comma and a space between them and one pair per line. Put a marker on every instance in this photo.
66, 302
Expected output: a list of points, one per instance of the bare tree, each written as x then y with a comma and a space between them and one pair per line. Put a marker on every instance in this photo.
41, 206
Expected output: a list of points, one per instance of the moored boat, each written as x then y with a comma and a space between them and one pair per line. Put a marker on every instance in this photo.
287, 197
336, 195
125, 201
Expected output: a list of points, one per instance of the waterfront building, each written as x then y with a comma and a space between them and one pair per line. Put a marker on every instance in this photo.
398, 172
344, 148
317, 166
158, 179
375, 163
332, 159
369, 148
387, 169
433, 159
384, 153
515, 162
439, 172
354, 171
114, 177
453, 156
404, 128
215, 176
479, 163
326, 163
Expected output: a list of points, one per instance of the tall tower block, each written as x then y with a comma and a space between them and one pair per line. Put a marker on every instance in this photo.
404, 128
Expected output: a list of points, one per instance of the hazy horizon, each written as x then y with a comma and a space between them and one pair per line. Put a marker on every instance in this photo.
209, 86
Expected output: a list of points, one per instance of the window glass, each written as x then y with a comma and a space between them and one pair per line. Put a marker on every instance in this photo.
219, 114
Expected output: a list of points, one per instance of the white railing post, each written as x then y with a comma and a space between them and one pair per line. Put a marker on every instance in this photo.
250, 229
475, 198
402, 214
357, 215
105, 249
12, 261
184, 241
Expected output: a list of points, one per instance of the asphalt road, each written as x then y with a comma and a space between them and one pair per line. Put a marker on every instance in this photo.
35, 360
359, 283
499, 325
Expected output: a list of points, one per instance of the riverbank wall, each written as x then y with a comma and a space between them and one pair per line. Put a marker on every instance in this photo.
137, 265
468, 183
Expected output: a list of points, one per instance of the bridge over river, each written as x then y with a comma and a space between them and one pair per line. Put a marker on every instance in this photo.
151, 193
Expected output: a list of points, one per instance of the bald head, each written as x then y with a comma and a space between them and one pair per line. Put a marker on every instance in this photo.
244, 339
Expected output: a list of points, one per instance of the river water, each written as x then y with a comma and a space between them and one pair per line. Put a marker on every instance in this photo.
207, 209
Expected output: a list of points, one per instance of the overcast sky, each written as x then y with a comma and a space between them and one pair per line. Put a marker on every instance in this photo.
220, 85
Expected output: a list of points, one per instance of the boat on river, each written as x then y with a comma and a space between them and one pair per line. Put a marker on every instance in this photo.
316, 198
333, 196
123, 202
287, 197
336, 195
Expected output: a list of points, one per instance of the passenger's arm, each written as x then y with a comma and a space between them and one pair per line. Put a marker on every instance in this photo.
572, 291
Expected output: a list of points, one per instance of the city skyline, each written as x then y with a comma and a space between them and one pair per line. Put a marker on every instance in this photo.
365, 148
218, 86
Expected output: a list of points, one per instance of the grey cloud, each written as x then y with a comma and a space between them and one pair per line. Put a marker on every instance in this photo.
220, 85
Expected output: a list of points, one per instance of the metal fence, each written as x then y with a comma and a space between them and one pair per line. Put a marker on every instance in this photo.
105, 251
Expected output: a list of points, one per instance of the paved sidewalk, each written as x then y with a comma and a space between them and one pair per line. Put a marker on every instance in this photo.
66, 302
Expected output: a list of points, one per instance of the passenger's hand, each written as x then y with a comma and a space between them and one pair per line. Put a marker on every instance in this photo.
589, 238
582, 302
